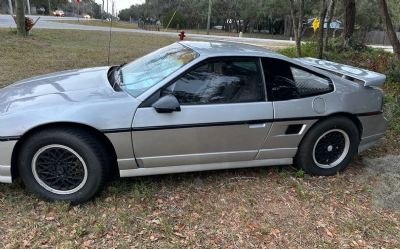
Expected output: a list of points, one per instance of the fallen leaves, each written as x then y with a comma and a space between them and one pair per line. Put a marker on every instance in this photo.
259, 213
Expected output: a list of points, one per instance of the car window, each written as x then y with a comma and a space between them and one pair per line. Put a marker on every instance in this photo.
145, 72
309, 84
220, 82
286, 81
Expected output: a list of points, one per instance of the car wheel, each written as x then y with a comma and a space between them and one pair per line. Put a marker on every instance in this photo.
328, 147
63, 165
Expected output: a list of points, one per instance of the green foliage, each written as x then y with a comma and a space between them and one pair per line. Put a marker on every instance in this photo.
300, 173
393, 70
392, 111
178, 21
337, 45
308, 49
356, 54
54, 4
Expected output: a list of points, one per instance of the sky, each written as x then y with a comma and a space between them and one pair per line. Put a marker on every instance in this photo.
121, 4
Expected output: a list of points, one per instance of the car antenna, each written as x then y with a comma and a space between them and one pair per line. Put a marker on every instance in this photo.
109, 40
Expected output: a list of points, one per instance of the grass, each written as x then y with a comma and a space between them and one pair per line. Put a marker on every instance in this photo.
48, 51
275, 207
115, 24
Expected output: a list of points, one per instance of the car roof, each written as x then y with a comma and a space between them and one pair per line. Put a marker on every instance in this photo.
218, 48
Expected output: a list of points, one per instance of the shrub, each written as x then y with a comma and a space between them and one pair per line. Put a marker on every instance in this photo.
308, 49
354, 45
393, 70
361, 56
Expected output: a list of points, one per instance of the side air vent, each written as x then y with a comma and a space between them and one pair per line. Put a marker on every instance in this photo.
293, 129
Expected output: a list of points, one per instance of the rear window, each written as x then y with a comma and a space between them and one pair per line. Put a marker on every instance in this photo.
287, 81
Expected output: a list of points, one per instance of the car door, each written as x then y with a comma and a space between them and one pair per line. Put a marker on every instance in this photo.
299, 98
223, 117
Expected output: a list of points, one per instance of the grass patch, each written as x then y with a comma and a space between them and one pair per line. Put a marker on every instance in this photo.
47, 51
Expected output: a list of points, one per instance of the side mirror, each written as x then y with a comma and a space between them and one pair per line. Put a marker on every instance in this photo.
167, 104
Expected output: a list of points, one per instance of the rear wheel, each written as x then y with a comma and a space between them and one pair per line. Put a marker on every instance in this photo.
63, 164
328, 147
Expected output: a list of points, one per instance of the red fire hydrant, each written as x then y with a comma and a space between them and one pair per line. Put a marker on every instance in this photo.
182, 35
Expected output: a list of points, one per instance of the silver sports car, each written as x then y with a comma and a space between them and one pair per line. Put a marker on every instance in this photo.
190, 106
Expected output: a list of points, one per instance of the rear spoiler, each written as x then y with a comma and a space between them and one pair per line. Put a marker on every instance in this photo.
368, 78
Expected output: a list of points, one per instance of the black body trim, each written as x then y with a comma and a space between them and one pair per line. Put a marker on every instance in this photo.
369, 114
168, 127
149, 128
120, 130
10, 138
182, 126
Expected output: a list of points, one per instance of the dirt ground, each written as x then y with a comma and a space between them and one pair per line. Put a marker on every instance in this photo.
386, 173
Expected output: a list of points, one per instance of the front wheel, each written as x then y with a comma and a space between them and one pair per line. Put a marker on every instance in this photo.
328, 147
63, 164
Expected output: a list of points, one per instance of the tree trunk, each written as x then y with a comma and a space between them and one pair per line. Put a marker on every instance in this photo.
297, 15
300, 26
349, 20
20, 19
321, 31
288, 26
391, 33
331, 13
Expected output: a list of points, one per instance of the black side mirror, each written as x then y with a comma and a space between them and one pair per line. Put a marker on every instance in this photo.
167, 104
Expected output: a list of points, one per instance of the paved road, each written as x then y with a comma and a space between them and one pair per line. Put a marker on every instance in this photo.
48, 22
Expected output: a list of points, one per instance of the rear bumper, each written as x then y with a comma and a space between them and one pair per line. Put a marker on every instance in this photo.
6, 149
374, 128
368, 142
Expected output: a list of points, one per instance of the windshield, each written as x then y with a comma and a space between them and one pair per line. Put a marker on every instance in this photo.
145, 72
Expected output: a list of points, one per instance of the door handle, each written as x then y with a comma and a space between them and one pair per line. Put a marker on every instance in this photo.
255, 126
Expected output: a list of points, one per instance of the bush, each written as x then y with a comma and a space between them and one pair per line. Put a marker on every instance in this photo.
393, 70
337, 45
308, 49
361, 56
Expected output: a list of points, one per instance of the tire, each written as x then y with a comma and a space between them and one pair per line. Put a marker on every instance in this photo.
328, 147
63, 165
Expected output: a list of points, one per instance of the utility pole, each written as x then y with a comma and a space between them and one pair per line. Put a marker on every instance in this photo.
112, 9
102, 10
78, 8
10, 7
49, 8
107, 10
29, 6
209, 17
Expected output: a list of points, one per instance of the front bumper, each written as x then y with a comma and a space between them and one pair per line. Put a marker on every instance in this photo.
6, 149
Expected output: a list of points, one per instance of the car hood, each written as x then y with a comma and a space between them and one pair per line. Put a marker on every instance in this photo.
60, 83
